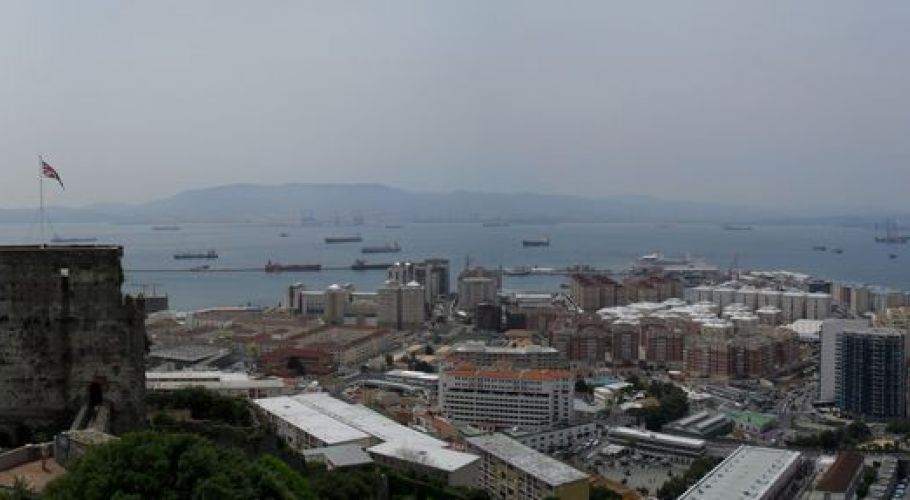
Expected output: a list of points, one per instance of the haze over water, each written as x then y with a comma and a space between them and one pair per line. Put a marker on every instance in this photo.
609, 245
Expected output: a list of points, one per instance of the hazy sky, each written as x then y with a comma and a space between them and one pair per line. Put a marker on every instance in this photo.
762, 102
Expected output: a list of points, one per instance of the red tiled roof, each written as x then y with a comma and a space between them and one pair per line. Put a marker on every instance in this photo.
838, 477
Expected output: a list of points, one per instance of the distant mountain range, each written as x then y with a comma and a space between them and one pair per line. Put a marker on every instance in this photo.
376, 203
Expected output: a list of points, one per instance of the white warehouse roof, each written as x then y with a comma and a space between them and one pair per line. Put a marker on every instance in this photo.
326, 429
366, 420
750, 472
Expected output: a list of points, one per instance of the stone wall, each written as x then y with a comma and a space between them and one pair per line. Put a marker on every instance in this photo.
67, 337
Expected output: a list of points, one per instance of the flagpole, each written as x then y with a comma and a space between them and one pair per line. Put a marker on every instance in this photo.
43, 219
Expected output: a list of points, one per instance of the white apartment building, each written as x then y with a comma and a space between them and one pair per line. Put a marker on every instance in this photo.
530, 399
792, 304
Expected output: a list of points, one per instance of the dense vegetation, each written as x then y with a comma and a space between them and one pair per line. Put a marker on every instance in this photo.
204, 404
846, 437
678, 485
674, 404
188, 466
176, 466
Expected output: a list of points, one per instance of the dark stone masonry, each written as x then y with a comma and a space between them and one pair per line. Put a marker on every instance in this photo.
68, 337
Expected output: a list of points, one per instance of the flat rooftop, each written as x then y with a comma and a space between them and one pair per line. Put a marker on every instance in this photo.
310, 421
547, 469
188, 353
345, 455
749, 473
434, 457
365, 420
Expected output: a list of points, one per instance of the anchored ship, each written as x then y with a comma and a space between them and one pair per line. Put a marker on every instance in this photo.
536, 242
277, 267
387, 248
344, 239
362, 265
210, 254
57, 239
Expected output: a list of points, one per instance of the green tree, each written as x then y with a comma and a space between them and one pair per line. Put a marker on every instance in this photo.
677, 485
582, 387
204, 404
176, 466
601, 493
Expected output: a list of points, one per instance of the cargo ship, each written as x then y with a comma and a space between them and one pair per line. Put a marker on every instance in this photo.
387, 248
210, 254
536, 242
57, 239
362, 265
277, 267
166, 228
734, 227
344, 239
820, 248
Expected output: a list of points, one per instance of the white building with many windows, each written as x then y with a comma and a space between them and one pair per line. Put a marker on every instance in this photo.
531, 399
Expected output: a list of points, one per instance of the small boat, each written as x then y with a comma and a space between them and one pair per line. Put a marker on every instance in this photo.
538, 242
820, 248
210, 254
387, 248
344, 239
277, 267
837, 251
495, 223
166, 228
393, 226
734, 227
362, 265
202, 268
892, 256
57, 239
283, 235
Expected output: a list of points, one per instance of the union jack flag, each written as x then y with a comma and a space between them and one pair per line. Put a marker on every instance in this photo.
51, 173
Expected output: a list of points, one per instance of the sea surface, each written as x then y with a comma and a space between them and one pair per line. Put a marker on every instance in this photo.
149, 262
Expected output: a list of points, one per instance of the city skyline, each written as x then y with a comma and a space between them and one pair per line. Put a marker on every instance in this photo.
767, 105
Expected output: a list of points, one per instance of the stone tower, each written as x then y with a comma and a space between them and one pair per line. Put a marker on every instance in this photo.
68, 338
